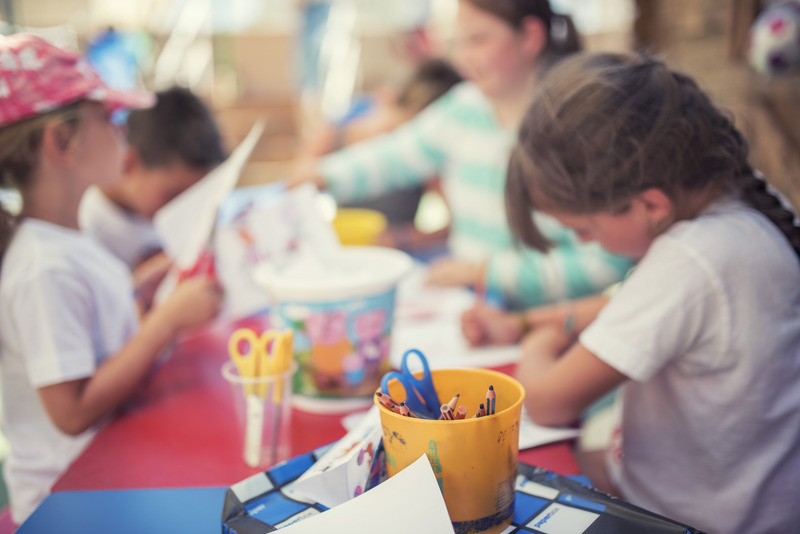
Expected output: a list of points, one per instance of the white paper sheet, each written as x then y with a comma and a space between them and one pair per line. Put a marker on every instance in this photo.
276, 225
408, 502
428, 318
532, 435
185, 224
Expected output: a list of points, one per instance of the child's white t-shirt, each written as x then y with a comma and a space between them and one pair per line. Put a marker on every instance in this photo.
708, 329
66, 305
128, 236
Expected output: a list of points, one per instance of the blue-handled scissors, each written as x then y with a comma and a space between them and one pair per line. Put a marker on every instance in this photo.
421, 397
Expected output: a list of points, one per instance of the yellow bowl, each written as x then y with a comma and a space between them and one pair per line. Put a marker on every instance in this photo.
358, 226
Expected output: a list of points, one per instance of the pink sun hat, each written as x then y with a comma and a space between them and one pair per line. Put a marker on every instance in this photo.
37, 76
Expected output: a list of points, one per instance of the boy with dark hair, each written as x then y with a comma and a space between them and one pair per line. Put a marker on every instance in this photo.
170, 147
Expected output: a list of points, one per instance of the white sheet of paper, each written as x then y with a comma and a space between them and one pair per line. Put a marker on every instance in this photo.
332, 480
532, 435
429, 319
186, 222
271, 230
410, 501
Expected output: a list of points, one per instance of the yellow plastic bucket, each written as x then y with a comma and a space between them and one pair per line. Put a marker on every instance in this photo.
474, 459
357, 226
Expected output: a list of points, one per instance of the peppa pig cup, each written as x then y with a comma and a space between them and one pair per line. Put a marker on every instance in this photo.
342, 320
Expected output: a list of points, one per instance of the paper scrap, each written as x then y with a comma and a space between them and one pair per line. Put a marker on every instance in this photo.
342, 472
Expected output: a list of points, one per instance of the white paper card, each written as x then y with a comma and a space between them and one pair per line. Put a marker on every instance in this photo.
385, 508
428, 318
532, 435
185, 224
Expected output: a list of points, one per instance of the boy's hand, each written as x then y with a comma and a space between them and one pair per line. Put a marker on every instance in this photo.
147, 276
305, 170
487, 325
194, 302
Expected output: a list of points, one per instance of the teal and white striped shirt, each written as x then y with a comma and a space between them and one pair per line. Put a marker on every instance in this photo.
458, 138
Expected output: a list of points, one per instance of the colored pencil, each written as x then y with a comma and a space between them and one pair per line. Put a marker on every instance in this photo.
490, 398
481, 411
385, 399
404, 411
454, 402
447, 413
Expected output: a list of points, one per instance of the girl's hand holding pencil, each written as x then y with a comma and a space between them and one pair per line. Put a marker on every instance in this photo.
484, 324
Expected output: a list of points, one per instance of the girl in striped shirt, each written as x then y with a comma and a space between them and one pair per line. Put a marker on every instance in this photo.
465, 137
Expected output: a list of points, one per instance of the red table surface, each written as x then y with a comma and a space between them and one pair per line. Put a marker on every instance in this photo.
181, 431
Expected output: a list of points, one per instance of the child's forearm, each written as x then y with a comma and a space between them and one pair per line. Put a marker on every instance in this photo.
78, 405
573, 316
585, 310
561, 380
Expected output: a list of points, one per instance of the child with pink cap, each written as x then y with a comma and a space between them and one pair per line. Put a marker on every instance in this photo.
72, 346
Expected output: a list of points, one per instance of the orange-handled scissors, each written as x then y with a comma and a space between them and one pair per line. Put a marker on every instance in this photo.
282, 345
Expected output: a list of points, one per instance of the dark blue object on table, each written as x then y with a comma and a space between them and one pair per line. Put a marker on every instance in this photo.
171, 510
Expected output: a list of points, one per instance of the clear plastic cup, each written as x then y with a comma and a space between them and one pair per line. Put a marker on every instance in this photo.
263, 408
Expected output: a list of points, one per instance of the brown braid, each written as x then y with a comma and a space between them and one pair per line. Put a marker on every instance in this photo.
757, 195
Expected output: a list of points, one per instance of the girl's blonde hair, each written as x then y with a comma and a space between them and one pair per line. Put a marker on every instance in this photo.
605, 127
20, 144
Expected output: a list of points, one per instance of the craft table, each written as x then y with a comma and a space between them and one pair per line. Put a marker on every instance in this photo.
181, 431
180, 434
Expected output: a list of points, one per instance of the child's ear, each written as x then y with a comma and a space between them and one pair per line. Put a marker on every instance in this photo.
534, 36
131, 160
658, 207
57, 139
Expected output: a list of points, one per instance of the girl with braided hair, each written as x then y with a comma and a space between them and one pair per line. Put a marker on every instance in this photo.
704, 334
